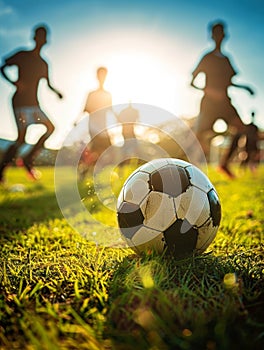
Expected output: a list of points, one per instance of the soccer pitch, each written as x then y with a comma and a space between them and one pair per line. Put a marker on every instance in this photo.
60, 290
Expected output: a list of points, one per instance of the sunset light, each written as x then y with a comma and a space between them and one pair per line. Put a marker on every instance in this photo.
149, 61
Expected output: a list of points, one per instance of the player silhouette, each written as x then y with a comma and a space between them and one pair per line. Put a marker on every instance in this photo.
98, 103
216, 103
128, 117
31, 69
252, 145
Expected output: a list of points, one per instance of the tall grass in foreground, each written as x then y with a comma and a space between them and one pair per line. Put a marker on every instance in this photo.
62, 291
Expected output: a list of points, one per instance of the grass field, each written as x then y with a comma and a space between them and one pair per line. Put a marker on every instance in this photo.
62, 291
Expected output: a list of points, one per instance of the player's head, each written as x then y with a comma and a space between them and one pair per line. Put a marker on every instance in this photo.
40, 34
218, 31
101, 74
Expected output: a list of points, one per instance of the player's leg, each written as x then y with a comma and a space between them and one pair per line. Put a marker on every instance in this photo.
11, 152
204, 137
40, 118
204, 125
233, 120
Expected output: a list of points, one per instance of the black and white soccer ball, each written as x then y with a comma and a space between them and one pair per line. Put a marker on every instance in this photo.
168, 205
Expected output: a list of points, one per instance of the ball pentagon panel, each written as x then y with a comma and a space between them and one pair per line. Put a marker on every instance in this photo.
169, 179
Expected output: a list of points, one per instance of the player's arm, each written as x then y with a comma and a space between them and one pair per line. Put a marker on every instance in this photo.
111, 109
198, 70
80, 117
52, 88
245, 87
195, 86
192, 83
3, 72
195, 73
87, 109
240, 86
46, 75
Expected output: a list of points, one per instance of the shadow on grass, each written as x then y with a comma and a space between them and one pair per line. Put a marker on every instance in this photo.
207, 302
19, 211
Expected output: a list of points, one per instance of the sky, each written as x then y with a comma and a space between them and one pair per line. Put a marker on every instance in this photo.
149, 47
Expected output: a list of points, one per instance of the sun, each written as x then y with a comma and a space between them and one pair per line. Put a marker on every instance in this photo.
140, 78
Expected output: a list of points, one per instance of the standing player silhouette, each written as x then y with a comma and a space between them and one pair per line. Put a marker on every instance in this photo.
98, 103
216, 103
31, 69
128, 118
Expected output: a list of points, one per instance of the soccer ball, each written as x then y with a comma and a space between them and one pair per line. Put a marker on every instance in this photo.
168, 205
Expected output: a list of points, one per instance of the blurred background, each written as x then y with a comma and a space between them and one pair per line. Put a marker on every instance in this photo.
149, 47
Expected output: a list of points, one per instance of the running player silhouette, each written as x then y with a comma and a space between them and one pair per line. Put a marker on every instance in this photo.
216, 103
32, 68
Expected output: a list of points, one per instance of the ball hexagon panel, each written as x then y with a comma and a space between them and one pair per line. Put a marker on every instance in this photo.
153, 165
215, 207
146, 237
178, 162
198, 178
193, 206
130, 218
171, 179
137, 188
158, 211
206, 235
181, 238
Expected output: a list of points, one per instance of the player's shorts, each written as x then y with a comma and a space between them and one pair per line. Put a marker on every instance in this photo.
30, 115
99, 143
211, 110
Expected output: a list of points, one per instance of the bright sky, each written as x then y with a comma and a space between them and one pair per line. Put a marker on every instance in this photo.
149, 47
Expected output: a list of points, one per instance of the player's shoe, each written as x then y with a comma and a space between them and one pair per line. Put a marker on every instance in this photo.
19, 162
33, 173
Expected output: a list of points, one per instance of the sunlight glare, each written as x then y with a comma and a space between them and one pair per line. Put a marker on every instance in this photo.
140, 78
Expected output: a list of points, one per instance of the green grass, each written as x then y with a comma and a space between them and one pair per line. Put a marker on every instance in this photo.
59, 290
